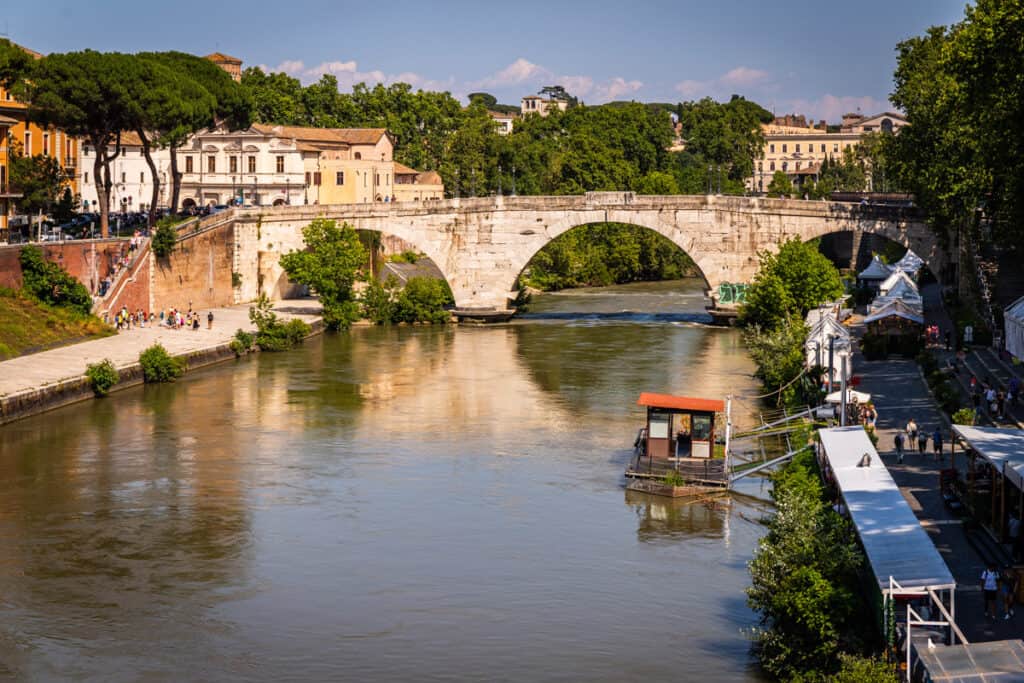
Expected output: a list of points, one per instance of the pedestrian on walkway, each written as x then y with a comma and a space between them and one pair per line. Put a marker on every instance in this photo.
937, 444
922, 442
990, 586
911, 432
1008, 588
976, 401
898, 441
990, 399
1000, 404
209, 320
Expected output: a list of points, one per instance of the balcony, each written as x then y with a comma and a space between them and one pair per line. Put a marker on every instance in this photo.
7, 191
70, 162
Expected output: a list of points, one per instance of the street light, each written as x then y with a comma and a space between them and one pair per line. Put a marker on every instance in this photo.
513, 180
499, 180
288, 191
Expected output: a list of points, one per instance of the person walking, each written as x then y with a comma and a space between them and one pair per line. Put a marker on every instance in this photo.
990, 587
1008, 589
937, 444
911, 433
898, 442
209, 320
922, 442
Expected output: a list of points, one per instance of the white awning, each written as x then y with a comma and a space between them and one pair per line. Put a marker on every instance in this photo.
1013, 323
895, 543
1003, 448
876, 270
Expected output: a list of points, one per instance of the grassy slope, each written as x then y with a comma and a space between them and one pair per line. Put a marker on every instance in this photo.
27, 326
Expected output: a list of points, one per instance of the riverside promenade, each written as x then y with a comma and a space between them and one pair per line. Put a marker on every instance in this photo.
49, 379
899, 393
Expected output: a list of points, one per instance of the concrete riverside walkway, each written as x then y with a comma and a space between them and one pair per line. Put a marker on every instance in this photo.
899, 393
38, 370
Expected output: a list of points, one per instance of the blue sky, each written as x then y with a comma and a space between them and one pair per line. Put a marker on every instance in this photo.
819, 59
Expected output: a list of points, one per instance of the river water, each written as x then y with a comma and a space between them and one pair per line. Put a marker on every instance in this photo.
415, 503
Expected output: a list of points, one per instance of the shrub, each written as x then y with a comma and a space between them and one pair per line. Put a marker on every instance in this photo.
854, 669
164, 237
236, 279
103, 376
378, 300
407, 256
51, 284
423, 299
160, 366
271, 333
674, 478
242, 343
964, 416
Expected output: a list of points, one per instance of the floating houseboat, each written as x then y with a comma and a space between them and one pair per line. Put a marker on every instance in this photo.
676, 453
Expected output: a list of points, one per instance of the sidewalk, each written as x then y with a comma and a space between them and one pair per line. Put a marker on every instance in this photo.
899, 393
38, 370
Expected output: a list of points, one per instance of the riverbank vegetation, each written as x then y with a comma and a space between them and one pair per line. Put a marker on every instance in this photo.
28, 325
421, 300
159, 366
806, 586
330, 267
272, 333
102, 376
787, 285
604, 254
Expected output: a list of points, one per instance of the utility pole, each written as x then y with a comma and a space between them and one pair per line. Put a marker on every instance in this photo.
842, 384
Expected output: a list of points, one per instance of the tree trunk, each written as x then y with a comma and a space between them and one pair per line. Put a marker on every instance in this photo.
151, 220
102, 188
175, 179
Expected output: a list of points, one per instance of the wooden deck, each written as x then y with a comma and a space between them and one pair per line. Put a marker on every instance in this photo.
696, 471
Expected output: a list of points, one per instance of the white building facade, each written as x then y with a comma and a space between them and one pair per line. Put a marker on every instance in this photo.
130, 176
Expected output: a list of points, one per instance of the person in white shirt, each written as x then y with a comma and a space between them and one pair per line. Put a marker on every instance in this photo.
990, 587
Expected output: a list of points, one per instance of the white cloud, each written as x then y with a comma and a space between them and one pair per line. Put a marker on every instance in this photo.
744, 77
832, 107
517, 72
616, 88
727, 84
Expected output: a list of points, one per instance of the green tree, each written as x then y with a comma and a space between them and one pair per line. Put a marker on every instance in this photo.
809, 277
780, 185
39, 179
66, 206
329, 266
15, 64
86, 95
657, 182
202, 96
423, 299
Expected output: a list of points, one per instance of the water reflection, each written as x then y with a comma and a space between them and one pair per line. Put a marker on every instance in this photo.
391, 504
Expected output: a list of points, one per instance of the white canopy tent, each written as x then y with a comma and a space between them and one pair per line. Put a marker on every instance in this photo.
837, 396
817, 346
901, 290
896, 277
896, 308
874, 274
1003, 448
1013, 323
910, 263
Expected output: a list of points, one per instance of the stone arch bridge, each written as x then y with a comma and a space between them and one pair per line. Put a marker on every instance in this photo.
483, 244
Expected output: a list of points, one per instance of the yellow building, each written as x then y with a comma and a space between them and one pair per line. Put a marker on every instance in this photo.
29, 139
798, 149
7, 193
353, 166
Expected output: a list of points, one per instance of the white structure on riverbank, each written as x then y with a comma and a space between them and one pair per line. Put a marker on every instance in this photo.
827, 332
1013, 323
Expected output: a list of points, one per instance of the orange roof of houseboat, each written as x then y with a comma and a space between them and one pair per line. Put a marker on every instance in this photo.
706, 405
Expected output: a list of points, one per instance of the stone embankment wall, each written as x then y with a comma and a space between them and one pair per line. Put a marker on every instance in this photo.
87, 260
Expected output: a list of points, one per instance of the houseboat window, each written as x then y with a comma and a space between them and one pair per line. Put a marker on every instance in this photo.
701, 427
659, 426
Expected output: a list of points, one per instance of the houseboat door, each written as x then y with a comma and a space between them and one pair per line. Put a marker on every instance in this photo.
701, 436
659, 435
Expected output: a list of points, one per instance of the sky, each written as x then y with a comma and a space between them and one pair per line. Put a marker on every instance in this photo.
818, 59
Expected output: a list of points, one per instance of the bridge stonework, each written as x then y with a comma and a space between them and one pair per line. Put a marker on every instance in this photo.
482, 245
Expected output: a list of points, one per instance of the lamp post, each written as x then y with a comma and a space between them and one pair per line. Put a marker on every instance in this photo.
513, 180
709, 179
255, 191
288, 191
456, 183
499, 180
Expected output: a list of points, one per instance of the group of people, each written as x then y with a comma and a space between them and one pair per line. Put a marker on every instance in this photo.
985, 396
934, 336
126, 320
176, 320
999, 584
913, 436
172, 318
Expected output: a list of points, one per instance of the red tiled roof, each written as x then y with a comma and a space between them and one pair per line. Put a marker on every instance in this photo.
670, 402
